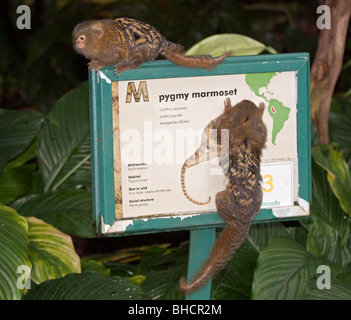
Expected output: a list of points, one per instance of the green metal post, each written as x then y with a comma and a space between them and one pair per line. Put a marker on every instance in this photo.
201, 242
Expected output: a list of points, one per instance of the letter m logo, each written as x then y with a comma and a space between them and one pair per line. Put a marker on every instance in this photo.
142, 91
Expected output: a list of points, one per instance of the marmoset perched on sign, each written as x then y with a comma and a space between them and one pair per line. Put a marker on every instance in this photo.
240, 157
126, 43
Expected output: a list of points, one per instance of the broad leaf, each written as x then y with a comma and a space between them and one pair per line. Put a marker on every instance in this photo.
15, 182
329, 228
284, 269
87, 286
79, 168
158, 257
63, 147
18, 130
51, 252
121, 269
68, 210
340, 124
260, 234
339, 289
92, 265
163, 268
235, 282
163, 284
339, 175
27, 155
13, 253
238, 44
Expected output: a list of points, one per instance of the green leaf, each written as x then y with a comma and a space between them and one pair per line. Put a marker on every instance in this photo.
92, 265
284, 269
236, 281
18, 130
159, 258
340, 127
260, 234
13, 252
79, 174
163, 284
121, 269
347, 65
339, 289
27, 155
68, 210
339, 175
63, 147
161, 268
51, 252
238, 44
138, 279
329, 228
87, 286
15, 182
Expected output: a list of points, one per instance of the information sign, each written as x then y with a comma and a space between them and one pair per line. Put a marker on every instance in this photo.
147, 122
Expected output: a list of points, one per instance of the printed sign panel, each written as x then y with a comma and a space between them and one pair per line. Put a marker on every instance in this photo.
157, 124
160, 126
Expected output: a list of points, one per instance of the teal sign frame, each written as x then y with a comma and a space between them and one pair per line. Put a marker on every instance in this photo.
102, 140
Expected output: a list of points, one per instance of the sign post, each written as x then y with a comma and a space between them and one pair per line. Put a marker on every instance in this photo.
201, 242
148, 121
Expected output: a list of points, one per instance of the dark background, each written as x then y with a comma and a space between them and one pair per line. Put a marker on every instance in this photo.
37, 66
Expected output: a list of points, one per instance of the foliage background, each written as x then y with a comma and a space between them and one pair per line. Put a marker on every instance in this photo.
45, 181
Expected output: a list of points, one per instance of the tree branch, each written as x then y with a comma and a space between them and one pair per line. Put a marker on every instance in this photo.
327, 65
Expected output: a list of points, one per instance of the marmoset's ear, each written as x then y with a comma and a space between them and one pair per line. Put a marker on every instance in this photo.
261, 107
98, 28
227, 104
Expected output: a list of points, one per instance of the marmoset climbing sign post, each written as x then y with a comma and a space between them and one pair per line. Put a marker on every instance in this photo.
147, 122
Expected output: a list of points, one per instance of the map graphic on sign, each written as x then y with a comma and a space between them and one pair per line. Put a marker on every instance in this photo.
259, 83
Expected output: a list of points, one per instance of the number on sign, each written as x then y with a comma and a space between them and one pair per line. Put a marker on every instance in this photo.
268, 182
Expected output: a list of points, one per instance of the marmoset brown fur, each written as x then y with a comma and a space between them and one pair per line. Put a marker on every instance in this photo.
126, 43
239, 203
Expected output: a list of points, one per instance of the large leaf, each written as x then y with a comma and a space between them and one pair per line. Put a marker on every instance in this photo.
284, 269
94, 266
31, 247
236, 281
18, 130
163, 268
87, 286
68, 210
238, 44
260, 234
339, 174
51, 252
63, 147
79, 171
339, 289
329, 228
340, 121
28, 154
340, 125
13, 253
164, 284
15, 182
157, 258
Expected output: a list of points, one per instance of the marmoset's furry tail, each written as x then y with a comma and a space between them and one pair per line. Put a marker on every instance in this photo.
230, 239
175, 54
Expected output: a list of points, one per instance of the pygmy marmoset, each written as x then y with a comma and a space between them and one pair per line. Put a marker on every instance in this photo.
126, 43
